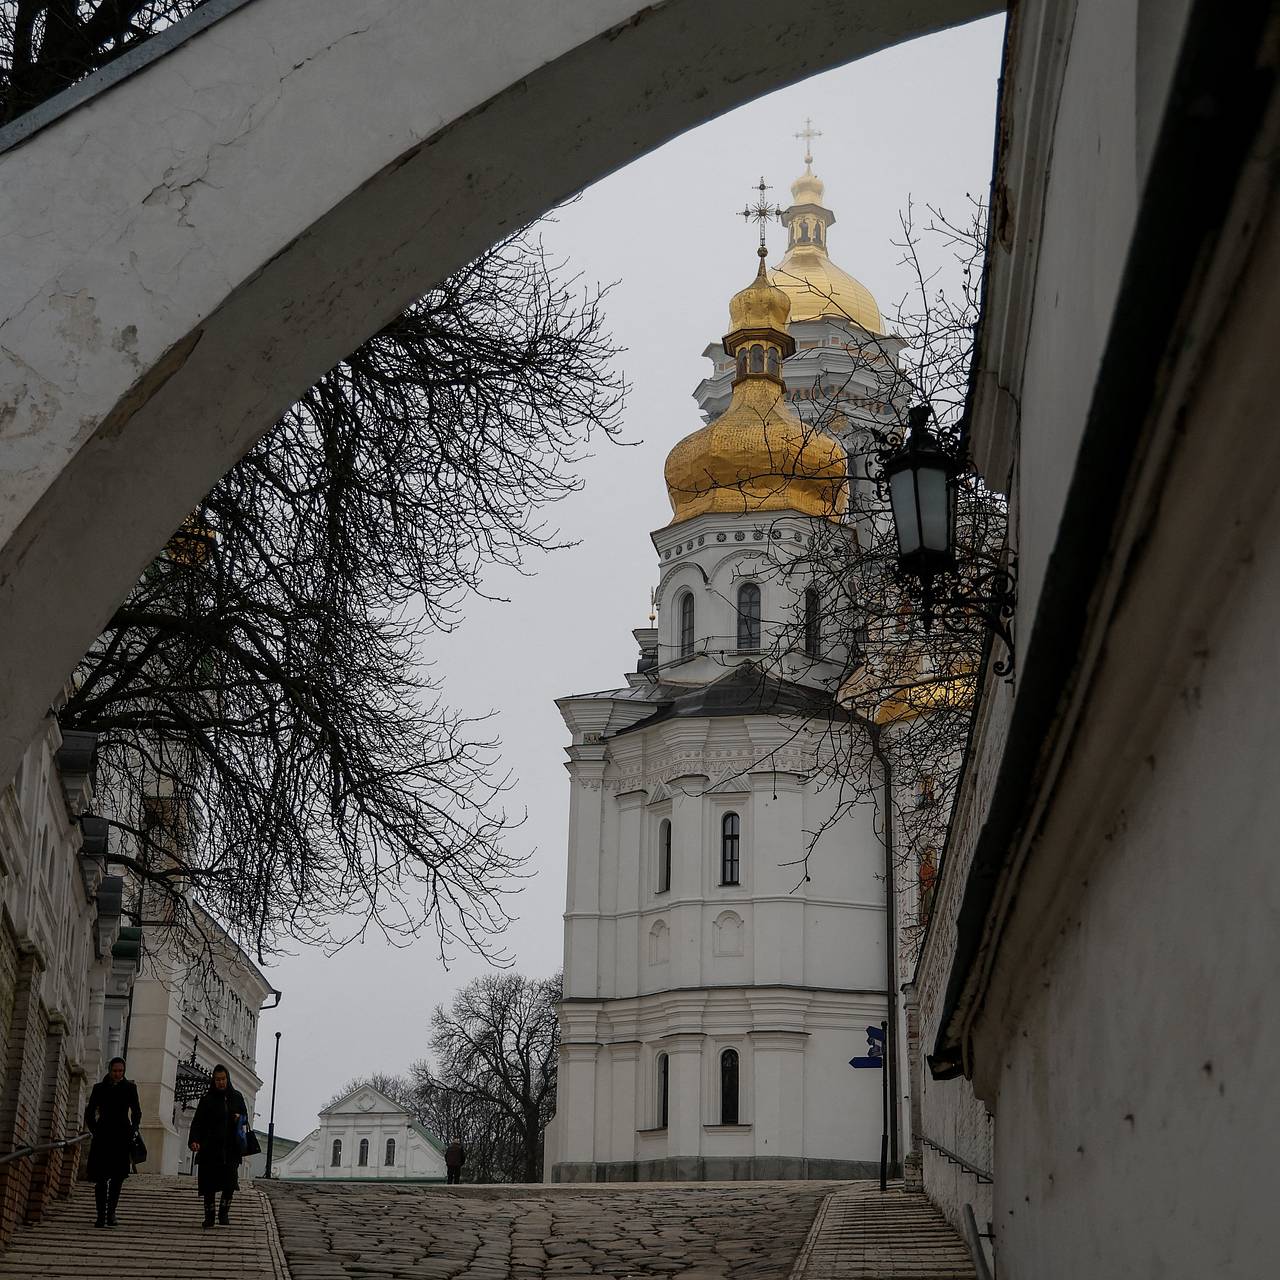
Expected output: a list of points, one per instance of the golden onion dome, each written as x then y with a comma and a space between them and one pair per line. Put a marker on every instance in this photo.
757, 456
808, 188
817, 287
760, 305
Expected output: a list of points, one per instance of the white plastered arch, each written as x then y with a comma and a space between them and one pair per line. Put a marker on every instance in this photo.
189, 248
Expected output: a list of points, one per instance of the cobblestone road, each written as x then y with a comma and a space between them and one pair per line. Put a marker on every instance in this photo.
696, 1231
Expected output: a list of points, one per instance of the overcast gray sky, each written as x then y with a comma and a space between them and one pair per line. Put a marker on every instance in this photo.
913, 122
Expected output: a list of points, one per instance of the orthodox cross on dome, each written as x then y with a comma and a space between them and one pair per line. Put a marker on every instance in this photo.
762, 212
808, 133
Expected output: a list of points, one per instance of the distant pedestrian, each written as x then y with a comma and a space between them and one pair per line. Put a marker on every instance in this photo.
455, 1156
112, 1116
216, 1138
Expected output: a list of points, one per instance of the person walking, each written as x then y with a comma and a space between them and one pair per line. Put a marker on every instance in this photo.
112, 1116
220, 1119
455, 1156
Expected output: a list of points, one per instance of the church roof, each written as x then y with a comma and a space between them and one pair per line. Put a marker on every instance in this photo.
747, 690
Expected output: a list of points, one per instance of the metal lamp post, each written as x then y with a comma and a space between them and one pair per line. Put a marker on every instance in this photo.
271, 1122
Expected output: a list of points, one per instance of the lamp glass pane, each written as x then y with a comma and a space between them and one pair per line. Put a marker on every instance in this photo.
935, 507
902, 496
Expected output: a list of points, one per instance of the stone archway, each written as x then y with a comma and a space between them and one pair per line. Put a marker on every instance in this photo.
189, 247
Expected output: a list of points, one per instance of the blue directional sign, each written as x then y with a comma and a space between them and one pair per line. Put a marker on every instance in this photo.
875, 1050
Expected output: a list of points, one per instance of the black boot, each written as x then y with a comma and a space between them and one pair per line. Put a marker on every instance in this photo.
113, 1200
208, 1211
100, 1201
224, 1209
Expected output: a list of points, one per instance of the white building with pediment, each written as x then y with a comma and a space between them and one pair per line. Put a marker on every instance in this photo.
713, 991
366, 1135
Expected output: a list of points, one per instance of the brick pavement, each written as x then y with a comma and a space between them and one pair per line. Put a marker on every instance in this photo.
159, 1238
693, 1231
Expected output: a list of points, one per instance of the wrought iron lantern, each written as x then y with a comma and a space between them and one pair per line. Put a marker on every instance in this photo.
922, 494
954, 586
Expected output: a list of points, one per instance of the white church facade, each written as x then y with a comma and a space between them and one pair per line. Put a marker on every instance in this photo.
716, 983
365, 1136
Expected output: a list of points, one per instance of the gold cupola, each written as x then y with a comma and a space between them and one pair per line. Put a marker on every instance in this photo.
757, 456
816, 286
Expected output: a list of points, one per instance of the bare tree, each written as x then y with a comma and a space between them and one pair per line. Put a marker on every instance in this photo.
270, 739
267, 736
492, 1078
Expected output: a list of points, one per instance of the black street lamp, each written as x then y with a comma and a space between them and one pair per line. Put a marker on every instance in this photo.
922, 494
923, 477
271, 1122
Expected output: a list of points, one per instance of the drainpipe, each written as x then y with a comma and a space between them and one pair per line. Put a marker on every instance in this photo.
891, 936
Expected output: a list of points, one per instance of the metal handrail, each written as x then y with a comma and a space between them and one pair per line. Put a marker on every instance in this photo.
59, 1145
973, 1238
980, 1174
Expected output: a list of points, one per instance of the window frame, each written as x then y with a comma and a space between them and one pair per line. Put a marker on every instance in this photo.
362, 1154
664, 856
731, 848
389, 1154
812, 623
335, 1154
663, 1065
750, 632
730, 1114
686, 636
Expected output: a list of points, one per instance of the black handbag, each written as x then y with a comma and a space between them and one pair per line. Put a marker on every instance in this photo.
251, 1145
137, 1149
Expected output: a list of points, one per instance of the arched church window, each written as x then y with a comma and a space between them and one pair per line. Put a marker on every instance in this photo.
664, 1089
742, 361
686, 625
775, 366
664, 855
364, 1153
335, 1154
390, 1157
730, 860
748, 616
757, 358
729, 1087
812, 623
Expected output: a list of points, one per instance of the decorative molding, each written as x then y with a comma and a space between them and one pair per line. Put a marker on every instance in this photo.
723, 764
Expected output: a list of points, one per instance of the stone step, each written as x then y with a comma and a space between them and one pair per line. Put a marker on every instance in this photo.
160, 1237
864, 1234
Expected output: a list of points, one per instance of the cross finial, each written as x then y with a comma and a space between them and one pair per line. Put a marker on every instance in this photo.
808, 133
762, 212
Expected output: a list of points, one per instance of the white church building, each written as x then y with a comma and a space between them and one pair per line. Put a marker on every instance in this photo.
713, 992
365, 1135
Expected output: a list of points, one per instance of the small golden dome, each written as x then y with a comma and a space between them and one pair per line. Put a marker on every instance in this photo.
808, 188
760, 305
818, 287
757, 457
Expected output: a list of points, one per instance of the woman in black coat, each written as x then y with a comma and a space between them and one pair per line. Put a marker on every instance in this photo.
112, 1116
215, 1141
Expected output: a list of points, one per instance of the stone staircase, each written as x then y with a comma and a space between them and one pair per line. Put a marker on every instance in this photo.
159, 1238
864, 1234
